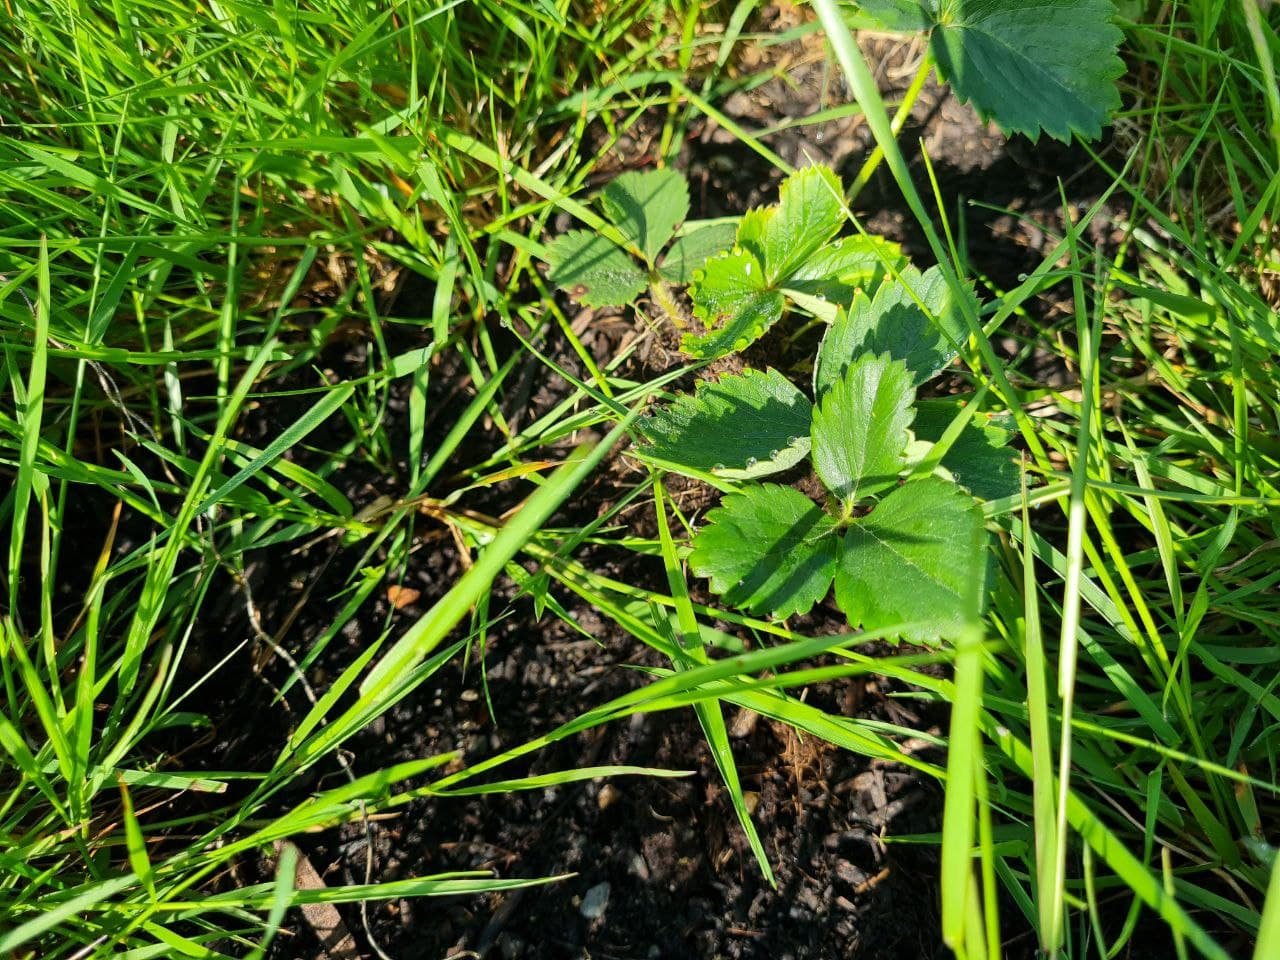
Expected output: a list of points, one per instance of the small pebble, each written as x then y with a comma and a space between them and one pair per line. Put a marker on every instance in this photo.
638, 867
595, 902
607, 796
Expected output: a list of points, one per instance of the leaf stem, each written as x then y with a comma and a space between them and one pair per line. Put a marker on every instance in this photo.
665, 300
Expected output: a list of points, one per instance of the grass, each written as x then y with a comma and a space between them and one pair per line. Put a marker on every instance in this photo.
198, 207
194, 207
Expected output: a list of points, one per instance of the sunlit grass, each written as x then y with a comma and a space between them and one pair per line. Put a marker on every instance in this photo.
195, 203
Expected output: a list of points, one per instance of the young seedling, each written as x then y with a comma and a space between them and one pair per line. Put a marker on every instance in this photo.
646, 209
781, 254
785, 253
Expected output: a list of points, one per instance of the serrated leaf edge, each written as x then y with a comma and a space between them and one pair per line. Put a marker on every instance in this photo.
748, 471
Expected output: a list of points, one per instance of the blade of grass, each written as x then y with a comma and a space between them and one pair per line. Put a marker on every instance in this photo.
691, 651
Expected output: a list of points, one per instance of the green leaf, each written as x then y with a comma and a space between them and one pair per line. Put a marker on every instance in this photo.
980, 459
743, 426
902, 15
809, 212
860, 428
689, 253
768, 549
740, 294
892, 322
595, 271
1049, 65
647, 207
919, 557
734, 302
837, 269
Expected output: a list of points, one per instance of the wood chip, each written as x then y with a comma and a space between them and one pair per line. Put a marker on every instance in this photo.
336, 942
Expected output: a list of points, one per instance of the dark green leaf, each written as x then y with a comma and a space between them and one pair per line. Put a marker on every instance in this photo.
647, 207
980, 459
734, 303
768, 549
689, 253
595, 271
860, 428
892, 322
918, 557
745, 425
1050, 65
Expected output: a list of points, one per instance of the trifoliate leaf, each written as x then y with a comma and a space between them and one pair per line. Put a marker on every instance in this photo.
809, 212
1049, 65
647, 207
734, 302
837, 269
980, 459
918, 557
768, 549
689, 253
595, 271
893, 322
860, 428
743, 426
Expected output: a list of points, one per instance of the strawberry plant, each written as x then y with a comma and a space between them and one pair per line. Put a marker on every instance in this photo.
783, 254
900, 534
642, 212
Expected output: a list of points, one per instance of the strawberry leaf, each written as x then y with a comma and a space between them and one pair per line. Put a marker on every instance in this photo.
735, 304
979, 459
893, 322
1049, 65
860, 428
917, 558
837, 269
768, 549
743, 426
647, 207
809, 212
595, 271
689, 253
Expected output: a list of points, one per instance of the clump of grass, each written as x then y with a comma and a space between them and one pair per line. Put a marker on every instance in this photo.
194, 203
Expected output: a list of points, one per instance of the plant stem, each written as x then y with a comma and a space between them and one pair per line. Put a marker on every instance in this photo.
666, 301
899, 119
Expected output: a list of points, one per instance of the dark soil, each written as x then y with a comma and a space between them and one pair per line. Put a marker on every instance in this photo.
660, 867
